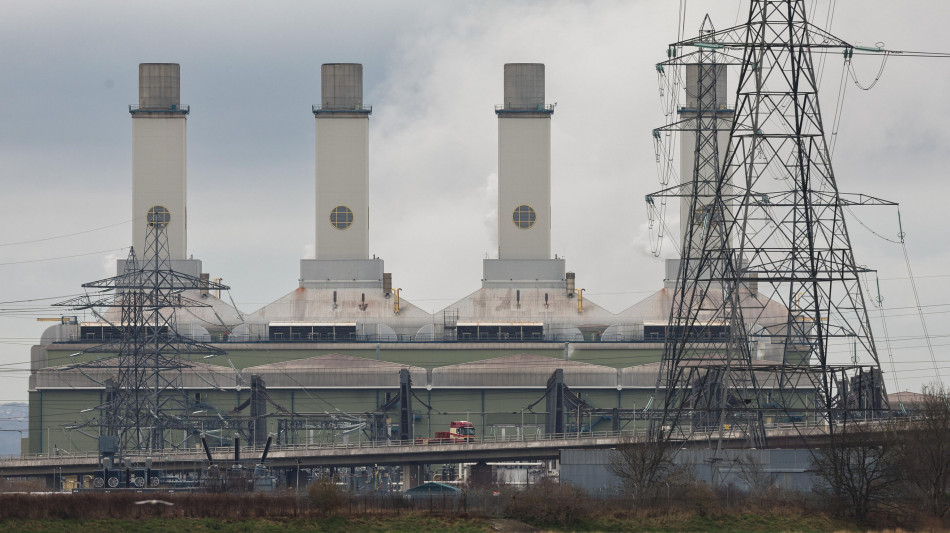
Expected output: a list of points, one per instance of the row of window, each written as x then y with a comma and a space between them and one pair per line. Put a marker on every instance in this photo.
341, 216
524, 216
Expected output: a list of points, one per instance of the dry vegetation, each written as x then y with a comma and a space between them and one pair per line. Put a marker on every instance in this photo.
547, 505
897, 479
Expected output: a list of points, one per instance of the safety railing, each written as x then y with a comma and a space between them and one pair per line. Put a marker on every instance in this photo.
177, 109
540, 108
358, 108
420, 442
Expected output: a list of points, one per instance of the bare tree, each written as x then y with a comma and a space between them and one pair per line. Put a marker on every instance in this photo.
923, 450
859, 469
753, 473
641, 466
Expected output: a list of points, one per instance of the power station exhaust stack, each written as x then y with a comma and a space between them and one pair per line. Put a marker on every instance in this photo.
524, 185
706, 113
342, 185
159, 163
524, 165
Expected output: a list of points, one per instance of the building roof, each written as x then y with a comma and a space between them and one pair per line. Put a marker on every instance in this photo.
907, 398
433, 488
93, 375
522, 370
656, 308
343, 305
334, 371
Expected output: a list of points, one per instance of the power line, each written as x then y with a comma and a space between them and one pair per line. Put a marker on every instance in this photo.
70, 234
63, 257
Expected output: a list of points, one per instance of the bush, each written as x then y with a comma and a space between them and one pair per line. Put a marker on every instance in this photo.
325, 497
550, 503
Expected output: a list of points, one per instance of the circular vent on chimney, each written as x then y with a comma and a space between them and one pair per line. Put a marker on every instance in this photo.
524, 216
158, 216
341, 217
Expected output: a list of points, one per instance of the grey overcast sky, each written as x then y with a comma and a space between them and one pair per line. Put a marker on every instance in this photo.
433, 72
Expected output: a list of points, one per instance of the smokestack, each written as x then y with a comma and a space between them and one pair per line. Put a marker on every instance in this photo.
342, 164
341, 86
524, 165
159, 165
159, 86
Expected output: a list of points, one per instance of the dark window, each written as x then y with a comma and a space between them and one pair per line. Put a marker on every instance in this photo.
524, 216
341, 217
106, 333
312, 333
512, 333
158, 216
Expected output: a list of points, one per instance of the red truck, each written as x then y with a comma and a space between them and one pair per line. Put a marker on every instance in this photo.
459, 431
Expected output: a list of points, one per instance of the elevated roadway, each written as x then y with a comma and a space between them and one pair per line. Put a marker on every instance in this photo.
385, 453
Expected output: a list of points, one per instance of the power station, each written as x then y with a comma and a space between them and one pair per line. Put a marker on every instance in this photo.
343, 355
336, 343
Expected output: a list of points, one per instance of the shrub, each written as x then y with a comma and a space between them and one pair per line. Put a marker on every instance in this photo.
550, 503
325, 497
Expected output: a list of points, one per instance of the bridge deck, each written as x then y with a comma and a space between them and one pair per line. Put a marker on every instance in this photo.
382, 453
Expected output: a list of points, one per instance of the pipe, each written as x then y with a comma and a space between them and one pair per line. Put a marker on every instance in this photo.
266, 448
204, 443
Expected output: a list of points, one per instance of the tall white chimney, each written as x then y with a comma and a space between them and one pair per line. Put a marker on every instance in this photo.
524, 165
707, 113
159, 162
524, 186
342, 162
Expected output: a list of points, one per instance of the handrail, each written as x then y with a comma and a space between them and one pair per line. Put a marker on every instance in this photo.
413, 339
419, 442
358, 108
540, 108
179, 109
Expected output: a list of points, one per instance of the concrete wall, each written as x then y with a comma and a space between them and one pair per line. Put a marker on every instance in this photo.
342, 180
784, 469
492, 409
524, 178
159, 177
342, 161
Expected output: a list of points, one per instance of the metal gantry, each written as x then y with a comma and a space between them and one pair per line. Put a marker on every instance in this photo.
769, 301
145, 398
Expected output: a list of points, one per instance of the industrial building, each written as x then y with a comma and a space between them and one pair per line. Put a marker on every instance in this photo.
328, 355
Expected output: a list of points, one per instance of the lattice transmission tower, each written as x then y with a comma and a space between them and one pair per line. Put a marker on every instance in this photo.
144, 397
768, 289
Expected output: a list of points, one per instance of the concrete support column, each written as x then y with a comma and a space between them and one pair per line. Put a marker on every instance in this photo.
481, 474
413, 475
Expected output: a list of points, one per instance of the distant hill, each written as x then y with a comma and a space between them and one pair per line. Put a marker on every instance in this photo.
13, 416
